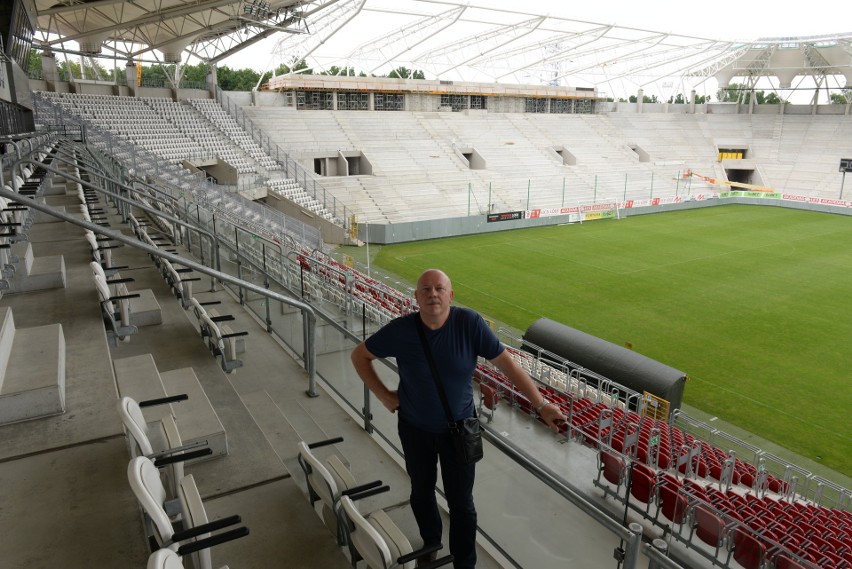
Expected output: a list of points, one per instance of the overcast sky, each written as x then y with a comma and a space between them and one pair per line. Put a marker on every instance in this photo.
746, 20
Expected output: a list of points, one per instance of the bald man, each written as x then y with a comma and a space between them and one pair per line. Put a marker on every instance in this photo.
457, 337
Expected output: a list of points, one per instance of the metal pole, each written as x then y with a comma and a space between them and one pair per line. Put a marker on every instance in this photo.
367, 237
368, 415
529, 182
625, 187
634, 544
563, 192
468, 199
595, 196
842, 181
652, 185
489, 198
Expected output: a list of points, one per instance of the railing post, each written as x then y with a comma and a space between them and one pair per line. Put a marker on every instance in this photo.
661, 546
633, 547
368, 416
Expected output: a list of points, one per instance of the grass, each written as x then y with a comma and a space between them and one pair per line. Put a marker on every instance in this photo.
751, 302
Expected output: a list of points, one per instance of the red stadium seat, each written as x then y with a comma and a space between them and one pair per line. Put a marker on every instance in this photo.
708, 526
643, 485
672, 504
613, 469
489, 397
745, 548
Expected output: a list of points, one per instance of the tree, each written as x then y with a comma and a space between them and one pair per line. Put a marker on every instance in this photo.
237, 79
335, 70
196, 73
772, 99
405, 73
838, 99
400, 73
35, 63
731, 94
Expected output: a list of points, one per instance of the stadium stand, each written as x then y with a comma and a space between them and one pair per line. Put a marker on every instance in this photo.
713, 497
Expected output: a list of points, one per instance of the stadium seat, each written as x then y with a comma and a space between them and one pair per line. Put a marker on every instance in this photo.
327, 482
148, 488
159, 440
672, 504
115, 310
488, 399
168, 559
707, 525
614, 470
643, 484
745, 549
378, 540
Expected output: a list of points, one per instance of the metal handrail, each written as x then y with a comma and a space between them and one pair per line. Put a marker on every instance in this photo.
307, 310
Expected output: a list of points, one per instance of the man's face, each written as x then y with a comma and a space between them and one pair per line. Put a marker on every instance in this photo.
434, 294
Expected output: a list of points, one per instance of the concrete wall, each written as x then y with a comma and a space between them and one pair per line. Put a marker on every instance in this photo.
184, 94
95, 88
224, 173
331, 233
165, 92
505, 105
477, 224
417, 102
268, 99
241, 98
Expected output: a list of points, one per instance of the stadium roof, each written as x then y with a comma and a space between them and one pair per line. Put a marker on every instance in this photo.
447, 40
168, 30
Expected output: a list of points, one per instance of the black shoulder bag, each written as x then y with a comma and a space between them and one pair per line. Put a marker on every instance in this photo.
467, 433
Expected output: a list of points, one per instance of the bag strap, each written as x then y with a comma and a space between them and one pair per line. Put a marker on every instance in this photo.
435, 375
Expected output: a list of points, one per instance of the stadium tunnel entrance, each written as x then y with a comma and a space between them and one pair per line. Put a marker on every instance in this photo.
739, 166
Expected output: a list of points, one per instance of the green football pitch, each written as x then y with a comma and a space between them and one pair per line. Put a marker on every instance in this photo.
751, 302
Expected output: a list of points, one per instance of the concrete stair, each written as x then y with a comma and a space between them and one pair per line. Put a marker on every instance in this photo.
197, 420
33, 273
32, 370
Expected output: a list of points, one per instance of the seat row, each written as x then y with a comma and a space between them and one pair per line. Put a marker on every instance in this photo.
223, 343
652, 441
592, 423
755, 532
176, 522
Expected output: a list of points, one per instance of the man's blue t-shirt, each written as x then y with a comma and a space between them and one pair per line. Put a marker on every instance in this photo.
455, 348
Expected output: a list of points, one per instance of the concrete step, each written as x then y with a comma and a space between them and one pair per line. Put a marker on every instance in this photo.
139, 378
32, 383
35, 273
282, 436
145, 310
196, 418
